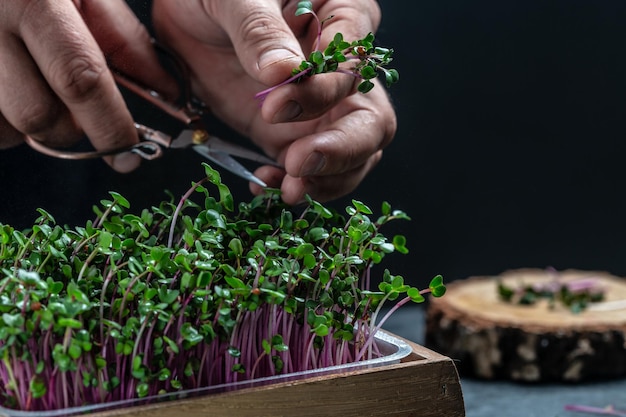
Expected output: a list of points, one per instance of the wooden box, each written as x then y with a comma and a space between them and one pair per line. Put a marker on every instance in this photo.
423, 384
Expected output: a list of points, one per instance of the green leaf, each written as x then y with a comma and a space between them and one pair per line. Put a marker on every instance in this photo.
69, 322
316, 57
304, 249
317, 207
368, 73
362, 208
267, 347
436, 286
226, 197
239, 368
166, 295
190, 334
399, 243
391, 76
143, 389
397, 282
236, 246
321, 330
13, 320
74, 351
436, 281
212, 175
214, 219
171, 344
365, 86
5, 234
119, 199
235, 282
105, 239
415, 296
304, 7
37, 387
309, 261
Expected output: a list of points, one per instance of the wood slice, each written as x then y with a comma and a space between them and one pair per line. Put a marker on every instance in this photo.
493, 339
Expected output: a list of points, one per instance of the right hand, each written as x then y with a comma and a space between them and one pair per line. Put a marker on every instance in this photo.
55, 84
234, 49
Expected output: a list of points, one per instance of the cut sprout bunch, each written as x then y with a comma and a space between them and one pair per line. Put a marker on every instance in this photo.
360, 58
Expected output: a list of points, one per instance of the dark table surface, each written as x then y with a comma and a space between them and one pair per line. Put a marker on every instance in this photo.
510, 399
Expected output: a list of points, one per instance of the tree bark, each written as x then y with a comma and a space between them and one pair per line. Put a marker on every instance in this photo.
493, 339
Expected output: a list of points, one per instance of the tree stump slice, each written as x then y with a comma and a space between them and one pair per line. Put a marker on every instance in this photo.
493, 339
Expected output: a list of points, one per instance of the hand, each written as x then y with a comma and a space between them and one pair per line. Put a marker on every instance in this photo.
54, 79
326, 136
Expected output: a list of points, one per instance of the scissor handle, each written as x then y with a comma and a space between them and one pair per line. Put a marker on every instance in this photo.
151, 147
183, 113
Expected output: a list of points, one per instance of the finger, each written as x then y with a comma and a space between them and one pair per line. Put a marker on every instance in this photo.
126, 43
364, 125
9, 137
74, 66
307, 100
27, 102
331, 187
320, 188
272, 176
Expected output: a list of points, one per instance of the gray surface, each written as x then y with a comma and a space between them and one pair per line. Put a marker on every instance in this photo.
508, 399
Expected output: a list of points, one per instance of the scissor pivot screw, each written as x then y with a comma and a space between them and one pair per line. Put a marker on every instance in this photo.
199, 136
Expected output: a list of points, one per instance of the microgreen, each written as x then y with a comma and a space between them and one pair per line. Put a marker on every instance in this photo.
359, 58
189, 294
576, 295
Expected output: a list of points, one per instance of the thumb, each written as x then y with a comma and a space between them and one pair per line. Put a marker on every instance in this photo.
263, 42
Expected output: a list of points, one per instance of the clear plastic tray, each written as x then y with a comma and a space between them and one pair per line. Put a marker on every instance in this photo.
391, 348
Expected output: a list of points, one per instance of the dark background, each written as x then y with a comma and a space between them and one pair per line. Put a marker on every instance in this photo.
509, 150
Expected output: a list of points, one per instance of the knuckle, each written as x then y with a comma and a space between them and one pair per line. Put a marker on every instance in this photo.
260, 28
77, 74
35, 118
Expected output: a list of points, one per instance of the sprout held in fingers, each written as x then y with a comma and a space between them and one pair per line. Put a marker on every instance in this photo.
359, 58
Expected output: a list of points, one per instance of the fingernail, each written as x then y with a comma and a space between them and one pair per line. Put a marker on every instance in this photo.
125, 162
290, 111
274, 56
313, 164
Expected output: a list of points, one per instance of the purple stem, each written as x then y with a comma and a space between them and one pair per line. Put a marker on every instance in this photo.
179, 207
607, 411
261, 95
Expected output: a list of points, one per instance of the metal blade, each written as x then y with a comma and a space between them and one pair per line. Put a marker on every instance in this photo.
224, 160
216, 144
184, 140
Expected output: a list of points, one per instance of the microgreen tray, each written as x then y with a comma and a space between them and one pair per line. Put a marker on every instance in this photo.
392, 350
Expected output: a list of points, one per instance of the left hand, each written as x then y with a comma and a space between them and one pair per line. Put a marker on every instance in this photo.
325, 135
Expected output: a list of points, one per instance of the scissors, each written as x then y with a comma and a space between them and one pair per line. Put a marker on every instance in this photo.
153, 142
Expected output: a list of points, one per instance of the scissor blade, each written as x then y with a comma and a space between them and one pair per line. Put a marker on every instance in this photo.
217, 144
184, 140
226, 161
